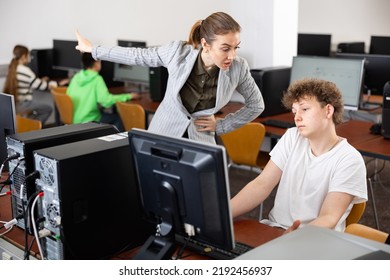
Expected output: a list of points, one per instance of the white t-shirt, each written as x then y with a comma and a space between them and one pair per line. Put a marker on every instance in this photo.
307, 179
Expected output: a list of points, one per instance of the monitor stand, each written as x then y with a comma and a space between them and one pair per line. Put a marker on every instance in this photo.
162, 245
157, 248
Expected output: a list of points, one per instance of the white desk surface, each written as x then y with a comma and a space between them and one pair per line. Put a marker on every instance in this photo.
315, 243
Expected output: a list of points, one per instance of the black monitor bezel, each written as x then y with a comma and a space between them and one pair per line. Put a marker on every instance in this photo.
372, 74
65, 55
7, 124
142, 140
314, 44
380, 45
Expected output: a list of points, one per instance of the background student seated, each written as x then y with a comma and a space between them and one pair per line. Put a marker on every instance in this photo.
21, 81
318, 173
89, 91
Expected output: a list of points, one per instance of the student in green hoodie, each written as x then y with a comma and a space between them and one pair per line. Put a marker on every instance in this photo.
88, 90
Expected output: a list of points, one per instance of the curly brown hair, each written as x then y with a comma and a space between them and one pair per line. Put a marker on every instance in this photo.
324, 91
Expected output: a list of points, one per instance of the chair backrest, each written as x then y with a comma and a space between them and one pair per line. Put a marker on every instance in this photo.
356, 213
132, 115
243, 144
64, 104
367, 232
24, 124
60, 89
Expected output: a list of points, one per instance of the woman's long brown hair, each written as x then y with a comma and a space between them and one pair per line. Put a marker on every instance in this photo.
11, 82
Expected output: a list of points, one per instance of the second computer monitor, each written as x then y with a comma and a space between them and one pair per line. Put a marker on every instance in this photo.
347, 74
65, 56
380, 45
314, 44
7, 124
131, 73
376, 70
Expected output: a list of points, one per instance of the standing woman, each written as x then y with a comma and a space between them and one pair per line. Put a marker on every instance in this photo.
203, 72
21, 81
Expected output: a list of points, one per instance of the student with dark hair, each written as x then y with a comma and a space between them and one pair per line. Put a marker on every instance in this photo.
318, 174
88, 90
21, 81
203, 72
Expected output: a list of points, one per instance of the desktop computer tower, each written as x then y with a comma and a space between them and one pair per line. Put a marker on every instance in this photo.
91, 203
158, 78
42, 64
272, 82
25, 143
385, 128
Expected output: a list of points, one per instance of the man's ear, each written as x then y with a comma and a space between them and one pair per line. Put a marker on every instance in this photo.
329, 110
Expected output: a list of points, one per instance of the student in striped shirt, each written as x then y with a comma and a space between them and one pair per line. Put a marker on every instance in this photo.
21, 81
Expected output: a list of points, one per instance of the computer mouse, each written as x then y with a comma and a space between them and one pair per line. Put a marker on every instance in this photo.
376, 128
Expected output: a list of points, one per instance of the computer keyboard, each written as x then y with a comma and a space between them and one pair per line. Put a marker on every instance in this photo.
278, 123
215, 253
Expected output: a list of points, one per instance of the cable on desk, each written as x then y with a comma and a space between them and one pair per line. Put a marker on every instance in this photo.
34, 226
179, 254
8, 181
6, 193
26, 209
20, 159
8, 226
15, 156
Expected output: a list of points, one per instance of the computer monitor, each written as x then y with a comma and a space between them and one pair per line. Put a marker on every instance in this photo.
314, 44
184, 189
272, 82
7, 124
376, 71
347, 74
380, 45
131, 73
65, 56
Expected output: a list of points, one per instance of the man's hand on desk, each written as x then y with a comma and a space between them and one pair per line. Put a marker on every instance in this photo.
135, 96
294, 226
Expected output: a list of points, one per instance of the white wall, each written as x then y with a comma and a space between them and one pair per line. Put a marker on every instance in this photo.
35, 23
268, 27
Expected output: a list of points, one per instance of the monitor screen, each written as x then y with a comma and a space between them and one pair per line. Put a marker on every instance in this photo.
131, 73
7, 124
347, 74
380, 45
65, 56
184, 188
314, 44
376, 71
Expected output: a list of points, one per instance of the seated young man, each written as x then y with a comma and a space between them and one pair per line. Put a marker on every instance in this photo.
88, 90
318, 173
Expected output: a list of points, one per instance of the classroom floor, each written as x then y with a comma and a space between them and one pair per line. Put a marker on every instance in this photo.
378, 170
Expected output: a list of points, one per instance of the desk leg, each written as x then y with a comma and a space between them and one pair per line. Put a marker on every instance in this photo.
373, 203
